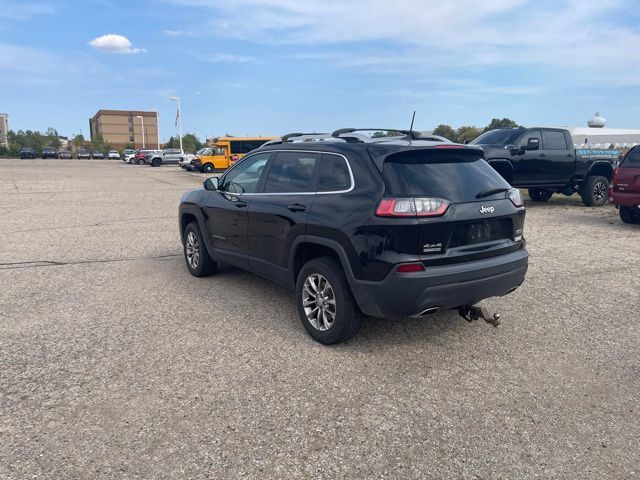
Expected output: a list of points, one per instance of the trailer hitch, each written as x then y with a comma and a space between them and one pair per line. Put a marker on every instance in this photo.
474, 312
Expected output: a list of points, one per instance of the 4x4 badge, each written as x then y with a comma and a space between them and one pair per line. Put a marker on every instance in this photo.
484, 209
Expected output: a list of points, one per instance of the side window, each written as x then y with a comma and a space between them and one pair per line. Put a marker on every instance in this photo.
632, 160
333, 174
292, 172
245, 177
553, 140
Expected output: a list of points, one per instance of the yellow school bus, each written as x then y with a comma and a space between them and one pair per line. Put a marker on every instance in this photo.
225, 151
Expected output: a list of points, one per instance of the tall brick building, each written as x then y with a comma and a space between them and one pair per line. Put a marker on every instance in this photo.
120, 128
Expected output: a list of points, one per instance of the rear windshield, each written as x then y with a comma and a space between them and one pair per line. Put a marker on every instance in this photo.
632, 160
441, 174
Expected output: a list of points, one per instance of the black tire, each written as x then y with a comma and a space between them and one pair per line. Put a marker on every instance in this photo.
156, 162
207, 168
628, 215
347, 314
595, 191
141, 162
205, 266
539, 195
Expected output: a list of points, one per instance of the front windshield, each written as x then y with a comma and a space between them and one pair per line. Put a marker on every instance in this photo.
498, 137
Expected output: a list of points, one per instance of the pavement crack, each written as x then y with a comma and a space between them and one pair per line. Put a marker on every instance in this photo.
50, 263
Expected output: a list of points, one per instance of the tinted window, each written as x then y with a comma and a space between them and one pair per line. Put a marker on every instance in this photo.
245, 176
333, 174
525, 140
553, 140
498, 137
245, 146
291, 172
439, 174
632, 159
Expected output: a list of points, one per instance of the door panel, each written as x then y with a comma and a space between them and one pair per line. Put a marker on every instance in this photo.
227, 217
560, 157
529, 167
279, 214
227, 226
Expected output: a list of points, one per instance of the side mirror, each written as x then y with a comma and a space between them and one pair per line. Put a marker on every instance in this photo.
533, 143
211, 183
466, 141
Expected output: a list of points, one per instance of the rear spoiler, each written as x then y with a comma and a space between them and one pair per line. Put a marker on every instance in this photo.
433, 154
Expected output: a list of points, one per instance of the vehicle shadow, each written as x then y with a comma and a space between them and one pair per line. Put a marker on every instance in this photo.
446, 324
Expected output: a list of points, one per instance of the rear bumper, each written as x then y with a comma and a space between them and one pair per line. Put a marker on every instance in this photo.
626, 199
442, 287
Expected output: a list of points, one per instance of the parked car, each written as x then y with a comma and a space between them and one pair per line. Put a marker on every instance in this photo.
49, 152
189, 160
27, 153
170, 156
127, 153
113, 155
393, 228
83, 153
141, 156
544, 161
98, 154
625, 188
64, 153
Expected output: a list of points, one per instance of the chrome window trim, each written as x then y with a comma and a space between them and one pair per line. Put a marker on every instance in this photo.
353, 183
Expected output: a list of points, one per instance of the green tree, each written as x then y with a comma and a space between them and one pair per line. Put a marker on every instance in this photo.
447, 132
500, 123
467, 133
78, 140
97, 143
52, 137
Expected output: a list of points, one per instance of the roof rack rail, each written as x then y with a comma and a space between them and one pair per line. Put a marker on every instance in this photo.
342, 131
289, 136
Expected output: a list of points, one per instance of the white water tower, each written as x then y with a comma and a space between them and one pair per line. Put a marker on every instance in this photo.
597, 121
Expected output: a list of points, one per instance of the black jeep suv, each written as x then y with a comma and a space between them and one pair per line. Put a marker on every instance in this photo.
381, 227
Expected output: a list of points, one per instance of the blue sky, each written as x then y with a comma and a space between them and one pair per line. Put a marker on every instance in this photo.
273, 66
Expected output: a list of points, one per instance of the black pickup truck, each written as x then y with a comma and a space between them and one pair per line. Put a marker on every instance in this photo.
544, 161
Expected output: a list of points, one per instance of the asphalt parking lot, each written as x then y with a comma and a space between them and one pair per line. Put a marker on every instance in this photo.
115, 362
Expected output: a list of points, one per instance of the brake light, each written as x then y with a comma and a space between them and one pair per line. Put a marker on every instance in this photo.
515, 197
410, 268
451, 147
412, 207
615, 176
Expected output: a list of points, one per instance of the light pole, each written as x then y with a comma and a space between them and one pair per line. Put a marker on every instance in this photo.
179, 120
157, 125
144, 145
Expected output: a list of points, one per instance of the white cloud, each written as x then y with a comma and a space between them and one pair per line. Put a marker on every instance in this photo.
224, 58
113, 43
581, 39
24, 11
178, 33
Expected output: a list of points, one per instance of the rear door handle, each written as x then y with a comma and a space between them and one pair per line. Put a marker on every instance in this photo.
542, 155
296, 207
240, 204
569, 155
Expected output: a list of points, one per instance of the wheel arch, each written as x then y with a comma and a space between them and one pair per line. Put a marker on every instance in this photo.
307, 247
604, 169
504, 167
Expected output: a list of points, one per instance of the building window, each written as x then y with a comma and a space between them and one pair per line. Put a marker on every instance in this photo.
131, 138
131, 129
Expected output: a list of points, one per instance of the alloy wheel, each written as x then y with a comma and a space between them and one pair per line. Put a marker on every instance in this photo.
193, 250
319, 302
599, 191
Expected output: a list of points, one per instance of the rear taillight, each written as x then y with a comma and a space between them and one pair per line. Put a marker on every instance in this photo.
412, 207
615, 176
515, 197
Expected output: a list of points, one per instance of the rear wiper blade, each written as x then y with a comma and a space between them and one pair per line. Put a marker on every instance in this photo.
491, 191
